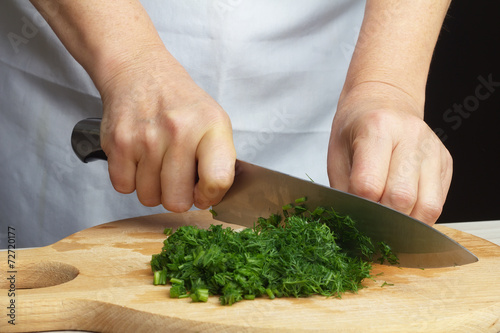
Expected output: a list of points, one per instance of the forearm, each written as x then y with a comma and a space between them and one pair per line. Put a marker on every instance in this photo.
103, 36
395, 45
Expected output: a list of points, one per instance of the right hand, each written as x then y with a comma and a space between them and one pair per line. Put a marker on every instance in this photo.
164, 136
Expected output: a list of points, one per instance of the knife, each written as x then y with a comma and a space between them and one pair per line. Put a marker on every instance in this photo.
259, 192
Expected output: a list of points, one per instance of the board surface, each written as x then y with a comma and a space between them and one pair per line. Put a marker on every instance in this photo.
99, 279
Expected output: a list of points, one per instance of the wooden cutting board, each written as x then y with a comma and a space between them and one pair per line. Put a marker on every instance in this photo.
99, 279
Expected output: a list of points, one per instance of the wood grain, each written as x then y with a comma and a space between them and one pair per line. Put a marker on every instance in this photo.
99, 279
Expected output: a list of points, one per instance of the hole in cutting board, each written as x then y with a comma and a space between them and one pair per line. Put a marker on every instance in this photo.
42, 274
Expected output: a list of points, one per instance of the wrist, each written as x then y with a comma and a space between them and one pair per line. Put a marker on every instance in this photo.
372, 79
367, 96
140, 61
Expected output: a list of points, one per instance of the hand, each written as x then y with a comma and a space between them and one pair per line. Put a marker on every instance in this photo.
161, 132
381, 149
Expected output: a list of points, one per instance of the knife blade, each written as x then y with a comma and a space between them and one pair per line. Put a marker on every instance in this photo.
259, 192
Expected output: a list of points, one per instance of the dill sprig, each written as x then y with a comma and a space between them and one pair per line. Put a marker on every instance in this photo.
297, 254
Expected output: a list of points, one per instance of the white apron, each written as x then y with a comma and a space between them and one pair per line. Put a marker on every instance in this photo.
277, 68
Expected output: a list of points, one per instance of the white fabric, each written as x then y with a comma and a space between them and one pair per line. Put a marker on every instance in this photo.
276, 67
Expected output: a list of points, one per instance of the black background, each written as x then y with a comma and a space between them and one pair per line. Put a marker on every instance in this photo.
468, 47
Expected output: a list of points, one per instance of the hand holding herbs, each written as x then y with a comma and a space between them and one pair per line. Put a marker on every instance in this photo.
299, 254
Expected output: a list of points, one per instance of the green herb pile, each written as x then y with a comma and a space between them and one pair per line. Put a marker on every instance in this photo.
299, 254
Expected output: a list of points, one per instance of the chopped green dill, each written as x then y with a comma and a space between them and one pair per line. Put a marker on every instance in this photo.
177, 290
213, 212
199, 295
176, 281
386, 254
386, 284
270, 293
300, 200
160, 277
299, 254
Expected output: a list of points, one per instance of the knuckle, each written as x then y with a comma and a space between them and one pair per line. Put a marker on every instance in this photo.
377, 121
213, 191
172, 124
222, 182
369, 187
150, 139
118, 141
430, 211
401, 198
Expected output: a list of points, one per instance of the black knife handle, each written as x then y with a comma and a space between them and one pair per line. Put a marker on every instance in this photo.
86, 140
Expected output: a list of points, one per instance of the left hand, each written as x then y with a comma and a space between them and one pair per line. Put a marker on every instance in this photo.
381, 149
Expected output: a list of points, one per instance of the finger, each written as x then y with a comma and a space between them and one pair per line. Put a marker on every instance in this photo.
178, 175
122, 173
401, 189
370, 166
216, 166
433, 186
430, 195
121, 162
148, 178
338, 164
